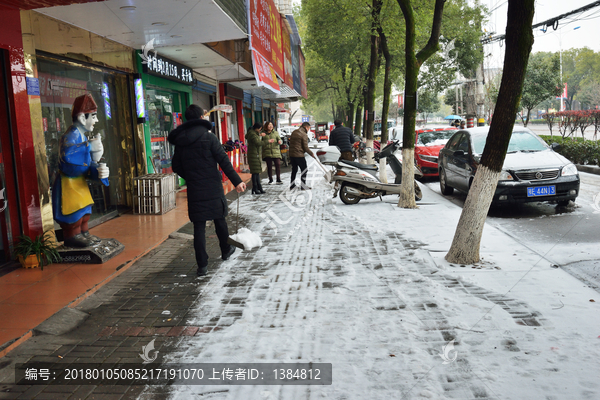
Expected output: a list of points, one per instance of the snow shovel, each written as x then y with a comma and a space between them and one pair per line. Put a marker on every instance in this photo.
231, 241
328, 176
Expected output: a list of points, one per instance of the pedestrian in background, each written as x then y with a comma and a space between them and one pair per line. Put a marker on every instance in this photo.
255, 143
271, 152
299, 146
197, 155
343, 138
462, 124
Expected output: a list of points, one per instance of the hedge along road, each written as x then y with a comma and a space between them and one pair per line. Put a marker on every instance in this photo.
542, 129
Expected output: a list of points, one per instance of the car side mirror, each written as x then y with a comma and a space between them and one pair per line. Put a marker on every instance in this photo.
459, 153
555, 147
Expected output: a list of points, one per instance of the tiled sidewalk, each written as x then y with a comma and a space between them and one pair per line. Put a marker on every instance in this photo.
29, 297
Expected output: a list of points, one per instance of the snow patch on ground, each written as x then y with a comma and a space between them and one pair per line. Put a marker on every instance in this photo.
248, 238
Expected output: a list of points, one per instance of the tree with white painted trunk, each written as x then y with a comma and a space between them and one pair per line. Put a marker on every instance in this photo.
413, 62
519, 39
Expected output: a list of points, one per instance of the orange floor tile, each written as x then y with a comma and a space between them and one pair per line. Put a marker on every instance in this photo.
30, 296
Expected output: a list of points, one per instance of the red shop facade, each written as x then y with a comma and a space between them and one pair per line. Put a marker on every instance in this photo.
19, 195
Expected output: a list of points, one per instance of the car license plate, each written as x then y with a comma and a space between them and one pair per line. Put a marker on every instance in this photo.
541, 191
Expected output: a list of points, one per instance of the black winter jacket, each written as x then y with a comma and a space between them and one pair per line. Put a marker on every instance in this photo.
342, 137
197, 153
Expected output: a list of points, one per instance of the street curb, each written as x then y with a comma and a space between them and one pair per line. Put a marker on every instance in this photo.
590, 169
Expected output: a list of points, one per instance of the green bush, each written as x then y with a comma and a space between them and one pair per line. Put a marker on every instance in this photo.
577, 151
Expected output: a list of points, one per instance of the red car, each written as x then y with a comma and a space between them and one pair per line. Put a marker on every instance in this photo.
428, 144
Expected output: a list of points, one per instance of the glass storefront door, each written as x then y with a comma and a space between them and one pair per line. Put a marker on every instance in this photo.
60, 83
164, 115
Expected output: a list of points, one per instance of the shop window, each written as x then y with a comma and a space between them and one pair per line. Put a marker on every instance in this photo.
164, 115
60, 83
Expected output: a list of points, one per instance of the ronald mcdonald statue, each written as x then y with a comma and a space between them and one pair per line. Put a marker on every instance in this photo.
77, 161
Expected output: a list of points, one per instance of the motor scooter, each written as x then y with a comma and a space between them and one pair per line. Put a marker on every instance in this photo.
285, 150
355, 181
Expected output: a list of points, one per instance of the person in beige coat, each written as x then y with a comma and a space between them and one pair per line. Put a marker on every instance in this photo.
299, 146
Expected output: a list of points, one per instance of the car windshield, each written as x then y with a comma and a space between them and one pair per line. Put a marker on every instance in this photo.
435, 138
519, 141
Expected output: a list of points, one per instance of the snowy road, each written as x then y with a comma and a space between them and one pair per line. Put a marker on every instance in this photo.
365, 287
567, 237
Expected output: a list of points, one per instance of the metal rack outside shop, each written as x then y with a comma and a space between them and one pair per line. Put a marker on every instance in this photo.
154, 193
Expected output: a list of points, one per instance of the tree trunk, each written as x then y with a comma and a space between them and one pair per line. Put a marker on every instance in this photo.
413, 62
358, 121
519, 39
467, 239
387, 92
349, 116
371, 78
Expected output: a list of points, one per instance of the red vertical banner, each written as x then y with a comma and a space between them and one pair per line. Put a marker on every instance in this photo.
276, 43
302, 75
287, 56
265, 33
260, 27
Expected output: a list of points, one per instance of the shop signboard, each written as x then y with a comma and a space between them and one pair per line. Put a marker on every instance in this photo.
296, 68
265, 32
33, 86
303, 91
264, 73
166, 68
277, 44
287, 56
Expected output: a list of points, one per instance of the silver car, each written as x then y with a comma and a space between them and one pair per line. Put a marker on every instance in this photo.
532, 170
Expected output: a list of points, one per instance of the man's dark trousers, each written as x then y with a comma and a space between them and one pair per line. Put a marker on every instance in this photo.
298, 162
200, 240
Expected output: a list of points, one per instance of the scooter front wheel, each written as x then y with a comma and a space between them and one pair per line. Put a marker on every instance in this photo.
346, 197
418, 192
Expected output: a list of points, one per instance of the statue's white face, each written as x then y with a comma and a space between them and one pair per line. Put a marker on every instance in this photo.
88, 123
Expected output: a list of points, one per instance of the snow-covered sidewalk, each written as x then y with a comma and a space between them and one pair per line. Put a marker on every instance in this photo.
366, 288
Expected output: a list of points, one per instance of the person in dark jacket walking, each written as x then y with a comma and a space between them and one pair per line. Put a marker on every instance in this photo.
343, 138
299, 146
255, 143
197, 154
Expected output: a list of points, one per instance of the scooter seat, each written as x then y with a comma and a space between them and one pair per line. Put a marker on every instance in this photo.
369, 167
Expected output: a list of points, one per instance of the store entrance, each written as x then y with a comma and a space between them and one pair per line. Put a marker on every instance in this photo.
164, 115
8, 198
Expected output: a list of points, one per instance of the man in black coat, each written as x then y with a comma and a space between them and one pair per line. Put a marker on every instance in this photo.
197, 153
343, 138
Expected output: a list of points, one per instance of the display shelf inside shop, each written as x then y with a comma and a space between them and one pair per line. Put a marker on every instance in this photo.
154, 193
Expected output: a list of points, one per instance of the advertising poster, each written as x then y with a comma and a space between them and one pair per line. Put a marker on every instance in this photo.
264, 73
276, 43
287, 56
265, 33
296, 69
302, 73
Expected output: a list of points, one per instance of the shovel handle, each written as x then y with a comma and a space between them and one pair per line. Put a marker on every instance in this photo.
237, 215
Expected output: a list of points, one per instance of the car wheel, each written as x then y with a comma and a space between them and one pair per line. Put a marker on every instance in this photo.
418, 192
346, 197
444, 188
